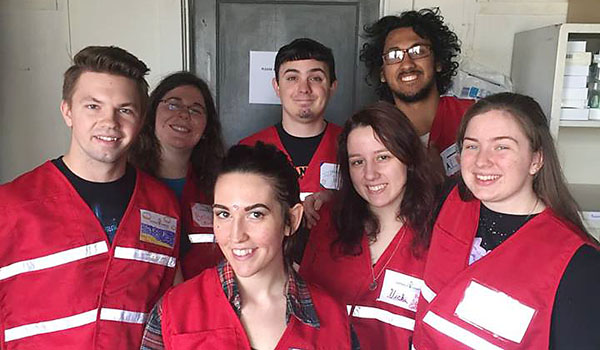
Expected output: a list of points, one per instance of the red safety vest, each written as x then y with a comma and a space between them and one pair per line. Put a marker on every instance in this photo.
444, 128
382, 318
197, 315
198, 229
502, 301
321, 173
62, 285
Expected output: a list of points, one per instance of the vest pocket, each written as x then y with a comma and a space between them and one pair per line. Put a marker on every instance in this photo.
224, 338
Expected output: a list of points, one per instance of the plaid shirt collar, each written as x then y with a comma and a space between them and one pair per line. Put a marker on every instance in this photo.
298, 300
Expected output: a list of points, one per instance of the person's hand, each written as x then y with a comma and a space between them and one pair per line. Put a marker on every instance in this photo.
312, 204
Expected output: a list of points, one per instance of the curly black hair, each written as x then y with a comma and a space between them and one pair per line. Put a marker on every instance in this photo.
428, 24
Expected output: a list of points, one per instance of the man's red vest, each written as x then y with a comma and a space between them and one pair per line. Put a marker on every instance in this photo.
197, 315
62, 285
502, 301
444, 128
198, 230
383, 318
321, 173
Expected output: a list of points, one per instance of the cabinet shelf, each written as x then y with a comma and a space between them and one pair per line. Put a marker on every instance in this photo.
537, 70
579, 124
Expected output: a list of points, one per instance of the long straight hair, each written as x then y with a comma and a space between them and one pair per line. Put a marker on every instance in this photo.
549, 183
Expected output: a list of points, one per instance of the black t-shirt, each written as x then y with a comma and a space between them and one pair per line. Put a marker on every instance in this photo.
300, 149
107, 200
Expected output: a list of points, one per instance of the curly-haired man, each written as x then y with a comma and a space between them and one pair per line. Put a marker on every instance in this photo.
411, 60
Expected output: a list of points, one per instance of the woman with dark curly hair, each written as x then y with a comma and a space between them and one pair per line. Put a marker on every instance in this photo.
370, 251
181, 144
411, 60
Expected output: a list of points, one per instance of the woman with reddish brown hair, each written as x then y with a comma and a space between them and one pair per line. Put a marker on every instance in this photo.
369, 249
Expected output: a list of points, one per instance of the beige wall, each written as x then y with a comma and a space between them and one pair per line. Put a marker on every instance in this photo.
37, 39
487, 27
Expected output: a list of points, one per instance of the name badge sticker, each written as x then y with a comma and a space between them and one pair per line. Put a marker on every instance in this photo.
450, 159
494, 311
202, 215
400, 290
157, 228
329, 176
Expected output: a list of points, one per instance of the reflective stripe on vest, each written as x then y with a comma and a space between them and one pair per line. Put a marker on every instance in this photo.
108, 314
458, 333
58, 324
201, 237
53, 260
73, 321
427, 293
145, 256
383, 316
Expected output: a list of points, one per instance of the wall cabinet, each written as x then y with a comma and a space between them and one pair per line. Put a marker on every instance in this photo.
538, 66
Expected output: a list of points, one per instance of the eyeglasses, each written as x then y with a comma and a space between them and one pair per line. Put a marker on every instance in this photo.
176, 106
415, 52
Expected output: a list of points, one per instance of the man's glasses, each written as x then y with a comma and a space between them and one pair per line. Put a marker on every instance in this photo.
176, 106
415, 52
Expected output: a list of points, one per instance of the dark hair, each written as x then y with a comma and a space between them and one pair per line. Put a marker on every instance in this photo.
271, 163
305, 49
548, 184
428, 24
107, 59
351, 212
206, 155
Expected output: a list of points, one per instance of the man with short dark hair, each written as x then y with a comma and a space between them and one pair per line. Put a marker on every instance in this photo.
411, 60
305, 81
89, 243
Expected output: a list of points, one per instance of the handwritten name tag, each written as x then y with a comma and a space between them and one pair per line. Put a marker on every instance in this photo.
400, 290
202, 215
329, 176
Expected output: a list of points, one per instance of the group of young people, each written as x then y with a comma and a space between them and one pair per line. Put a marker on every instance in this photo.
425, 222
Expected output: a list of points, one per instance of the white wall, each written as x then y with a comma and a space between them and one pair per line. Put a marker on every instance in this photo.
487, 27
38, 38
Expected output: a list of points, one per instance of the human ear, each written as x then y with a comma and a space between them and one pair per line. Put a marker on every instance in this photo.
295, 213
275, 86
65, 110
537, 162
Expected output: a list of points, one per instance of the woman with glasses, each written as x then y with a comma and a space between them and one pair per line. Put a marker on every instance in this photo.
181, 144
369, 250
253, 299
510, 264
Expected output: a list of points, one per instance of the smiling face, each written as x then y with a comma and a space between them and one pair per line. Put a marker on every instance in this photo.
176, 127
249, 224
104, 117
497, 163
410, 80
304, 89
377, 175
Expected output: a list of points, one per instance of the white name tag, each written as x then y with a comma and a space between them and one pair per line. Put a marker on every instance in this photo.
329, 176
450, 159
495, 311
202, 215
400, 290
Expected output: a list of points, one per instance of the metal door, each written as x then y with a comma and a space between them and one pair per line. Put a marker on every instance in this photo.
225, 31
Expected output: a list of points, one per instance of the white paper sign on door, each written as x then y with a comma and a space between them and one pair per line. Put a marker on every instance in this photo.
260, 90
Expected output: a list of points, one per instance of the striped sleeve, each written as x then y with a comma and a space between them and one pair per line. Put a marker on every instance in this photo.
152, 338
